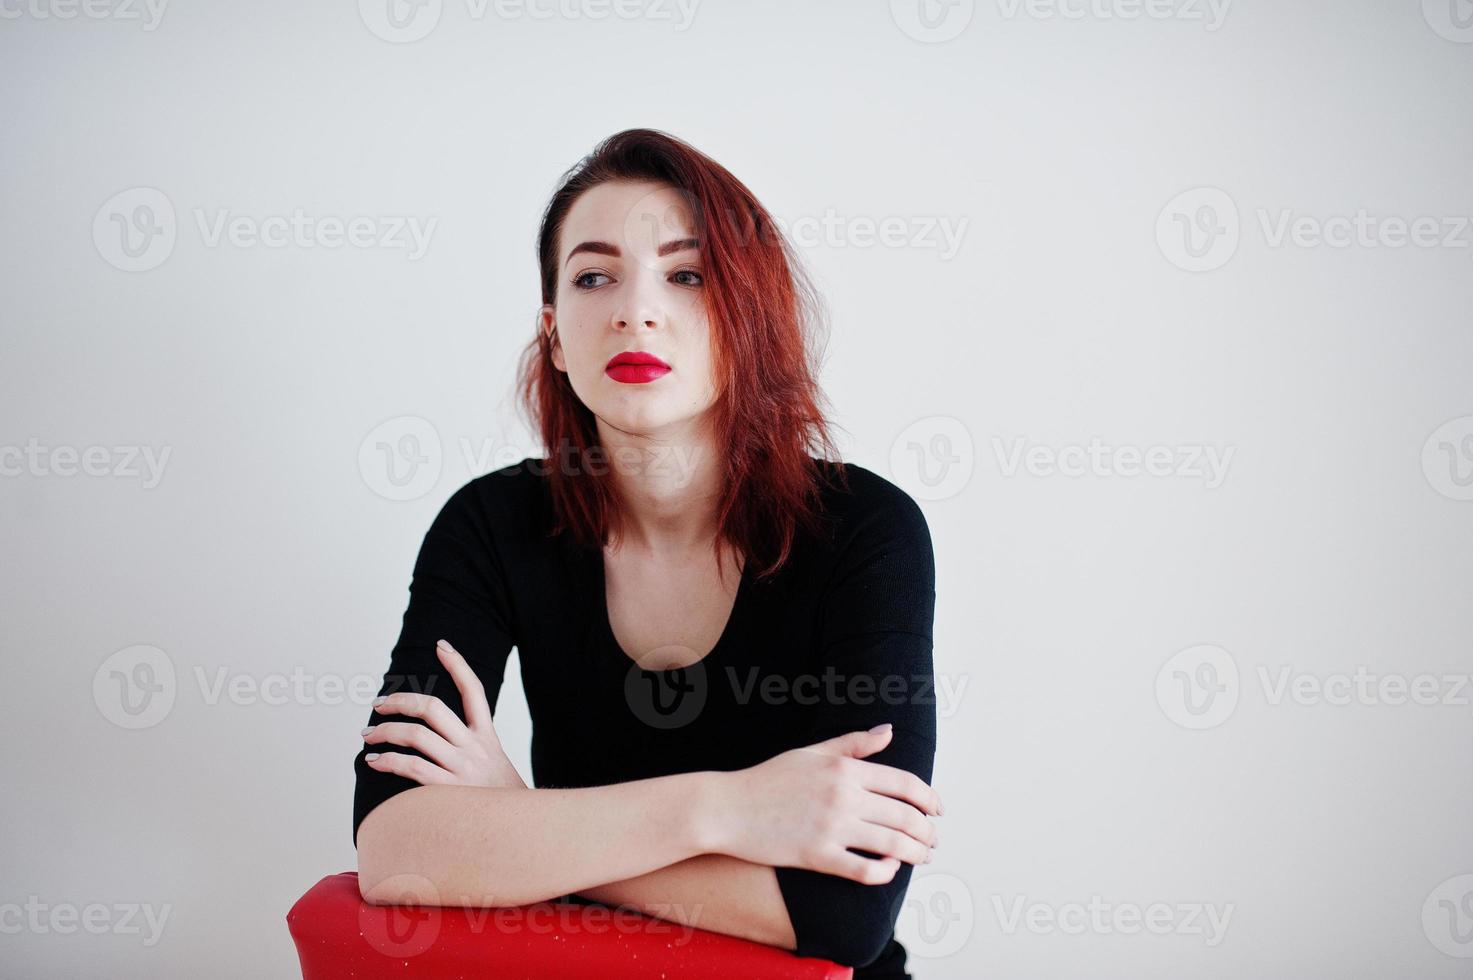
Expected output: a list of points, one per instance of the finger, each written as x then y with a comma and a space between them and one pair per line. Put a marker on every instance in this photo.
411, 767
434, 712
414, 736
855, 744
866, 871
900, 816
885, 841
472, 692
891, 781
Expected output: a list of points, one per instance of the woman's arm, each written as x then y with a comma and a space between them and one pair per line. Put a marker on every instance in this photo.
710, 891
483, 846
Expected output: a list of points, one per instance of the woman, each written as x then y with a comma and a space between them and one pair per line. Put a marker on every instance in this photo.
725, 642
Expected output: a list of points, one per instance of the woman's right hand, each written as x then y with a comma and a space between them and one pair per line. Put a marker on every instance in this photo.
805, 807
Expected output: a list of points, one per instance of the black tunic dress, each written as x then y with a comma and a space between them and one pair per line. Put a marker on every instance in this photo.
840, 640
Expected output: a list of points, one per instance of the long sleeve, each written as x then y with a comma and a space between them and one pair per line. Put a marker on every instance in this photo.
458, 592
876, 622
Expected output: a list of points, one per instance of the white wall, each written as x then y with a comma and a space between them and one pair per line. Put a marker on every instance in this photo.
1333, 537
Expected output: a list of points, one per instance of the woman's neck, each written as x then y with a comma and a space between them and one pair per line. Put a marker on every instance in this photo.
668, 493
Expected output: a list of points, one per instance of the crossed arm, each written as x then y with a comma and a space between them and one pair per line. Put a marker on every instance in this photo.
668, 832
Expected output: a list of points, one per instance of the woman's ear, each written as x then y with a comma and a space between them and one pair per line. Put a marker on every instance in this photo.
547, 323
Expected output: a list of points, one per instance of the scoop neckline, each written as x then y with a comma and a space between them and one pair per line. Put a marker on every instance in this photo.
601, 587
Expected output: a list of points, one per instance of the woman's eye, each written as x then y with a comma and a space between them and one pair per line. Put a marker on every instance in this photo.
693, 277
581, 281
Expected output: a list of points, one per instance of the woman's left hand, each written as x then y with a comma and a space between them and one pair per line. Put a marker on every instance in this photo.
459, 754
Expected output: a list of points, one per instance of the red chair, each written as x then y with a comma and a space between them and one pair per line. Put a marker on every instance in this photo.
338, 935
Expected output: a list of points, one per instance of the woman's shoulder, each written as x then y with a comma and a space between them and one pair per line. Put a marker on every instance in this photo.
859, 498
503, 502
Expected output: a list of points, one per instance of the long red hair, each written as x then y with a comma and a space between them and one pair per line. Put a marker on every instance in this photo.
762, 310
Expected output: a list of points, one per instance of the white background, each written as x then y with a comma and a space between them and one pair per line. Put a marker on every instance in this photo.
1061, 140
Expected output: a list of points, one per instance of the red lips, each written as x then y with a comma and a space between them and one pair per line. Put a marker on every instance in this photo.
635, 367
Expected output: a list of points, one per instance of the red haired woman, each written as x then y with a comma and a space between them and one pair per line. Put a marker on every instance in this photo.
725, 642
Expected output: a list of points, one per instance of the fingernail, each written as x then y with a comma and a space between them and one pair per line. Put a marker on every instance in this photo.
370, 757
380, 700
880, 729
366, 730
444, 645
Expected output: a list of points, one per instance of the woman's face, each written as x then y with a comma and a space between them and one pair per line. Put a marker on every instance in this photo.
630, 278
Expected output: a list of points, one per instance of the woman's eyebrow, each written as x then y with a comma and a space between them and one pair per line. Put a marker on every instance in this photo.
604, 248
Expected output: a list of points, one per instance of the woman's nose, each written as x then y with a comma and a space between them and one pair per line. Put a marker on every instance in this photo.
636, 308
